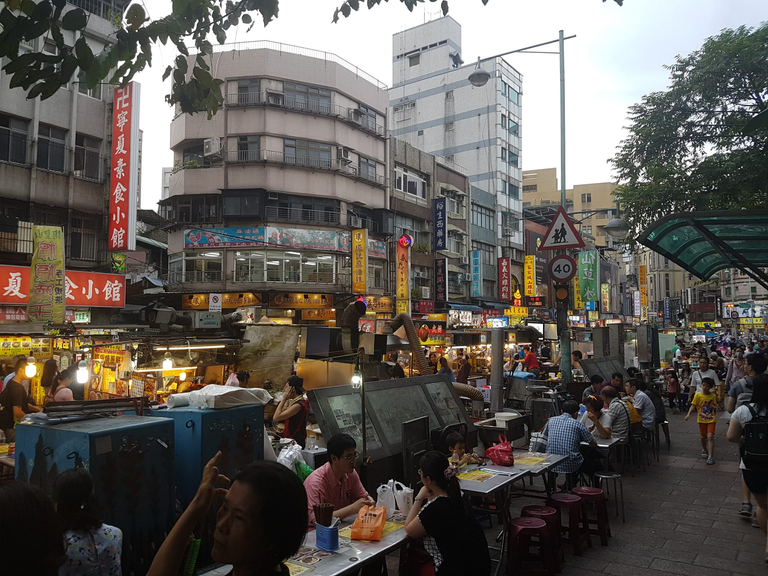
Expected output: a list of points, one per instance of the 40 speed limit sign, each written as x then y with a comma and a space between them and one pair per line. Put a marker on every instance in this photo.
562, 268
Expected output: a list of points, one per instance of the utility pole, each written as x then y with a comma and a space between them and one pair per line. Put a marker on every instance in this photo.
562, 308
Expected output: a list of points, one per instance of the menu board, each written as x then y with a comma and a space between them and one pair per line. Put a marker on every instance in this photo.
346, 411
445, 403
396, 405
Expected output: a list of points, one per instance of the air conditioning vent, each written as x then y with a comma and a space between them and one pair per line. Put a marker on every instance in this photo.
275, 98
343, 154
507, 231
354, 221
273, 196
425, 292
212, 147
465, 260
352, 169
355, 115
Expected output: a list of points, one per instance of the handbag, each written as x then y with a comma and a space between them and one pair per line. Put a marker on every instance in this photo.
501, 454
369, 524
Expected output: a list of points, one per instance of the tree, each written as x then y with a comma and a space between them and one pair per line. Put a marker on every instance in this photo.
42, 74
701, 144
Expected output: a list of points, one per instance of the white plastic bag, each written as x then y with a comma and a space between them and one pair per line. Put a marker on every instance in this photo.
289, 455
403, 497
386, 498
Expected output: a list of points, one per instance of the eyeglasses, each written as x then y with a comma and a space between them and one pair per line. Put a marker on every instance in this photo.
351, 457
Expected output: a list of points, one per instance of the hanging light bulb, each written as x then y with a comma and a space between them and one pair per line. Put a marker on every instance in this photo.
167, 361
82, 372
183, 376
357, 376
30, 370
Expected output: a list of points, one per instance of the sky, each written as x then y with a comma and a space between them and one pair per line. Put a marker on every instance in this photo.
617, 57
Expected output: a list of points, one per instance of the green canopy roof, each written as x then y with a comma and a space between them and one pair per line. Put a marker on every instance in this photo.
704, 242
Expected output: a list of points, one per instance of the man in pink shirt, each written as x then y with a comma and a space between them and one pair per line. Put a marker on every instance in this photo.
337, 481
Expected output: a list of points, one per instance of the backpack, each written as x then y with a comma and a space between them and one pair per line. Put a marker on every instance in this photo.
634, 415
746, 396
754, 443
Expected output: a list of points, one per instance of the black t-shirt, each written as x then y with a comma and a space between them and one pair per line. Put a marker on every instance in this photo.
13, 395
545, 352
459, 538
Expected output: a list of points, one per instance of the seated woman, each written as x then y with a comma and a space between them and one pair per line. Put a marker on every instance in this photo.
458, 447
445, 368
442, 518
262, 521
93, 548
293, 409
596, 418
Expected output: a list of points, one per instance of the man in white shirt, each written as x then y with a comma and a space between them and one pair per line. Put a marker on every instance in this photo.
642, 404
704, 371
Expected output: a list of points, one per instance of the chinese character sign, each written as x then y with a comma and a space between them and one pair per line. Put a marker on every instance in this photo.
641, 277
477, 274
441, 280
530, 275
588, 275
124, 176
637, 303
605, 297
46, 278
403, 280
80, 288
505, 282
441, 224
578, 303
360, 261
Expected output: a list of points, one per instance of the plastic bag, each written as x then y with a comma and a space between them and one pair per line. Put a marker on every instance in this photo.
386, 498
539, 442
369, 524
501, 454
302, 469
289, 456
403, 497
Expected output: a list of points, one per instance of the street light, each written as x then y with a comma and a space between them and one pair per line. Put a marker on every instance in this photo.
616, 228
479, 76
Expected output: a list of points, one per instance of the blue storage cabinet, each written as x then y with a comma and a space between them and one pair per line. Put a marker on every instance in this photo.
237, 432
131, 459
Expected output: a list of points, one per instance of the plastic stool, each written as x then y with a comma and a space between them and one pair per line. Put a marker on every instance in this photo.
603, 477
519, 543
552, 517
597, 497
577, 512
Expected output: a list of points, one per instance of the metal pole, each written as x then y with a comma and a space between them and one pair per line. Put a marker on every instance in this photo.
562, 119
562, 312
497, 369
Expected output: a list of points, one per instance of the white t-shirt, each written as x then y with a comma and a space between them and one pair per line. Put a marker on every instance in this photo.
698, 375
742, 415
605, 422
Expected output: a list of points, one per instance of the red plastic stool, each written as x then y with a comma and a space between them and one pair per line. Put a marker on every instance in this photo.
552, 517
577, 512
521, 530
601, 523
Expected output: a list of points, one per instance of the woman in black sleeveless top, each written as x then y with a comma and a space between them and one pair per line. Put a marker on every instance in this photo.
293, 409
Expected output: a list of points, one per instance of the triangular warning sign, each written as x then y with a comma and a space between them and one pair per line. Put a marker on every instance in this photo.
561, 234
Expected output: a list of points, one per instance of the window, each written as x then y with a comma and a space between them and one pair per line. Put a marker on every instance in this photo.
307, 153
513, 127
503, 121
377, 274
369, 117
514, 159
487, 252
202, 267
666, 285
454, 201
94, 92
513, 190
87, 157
587, 230
13, 139
510, 224
197, 209
51, 148
404, 107
413, 60
753, 289
503, 154
456, 242
503, 88
513, 95
586, 198
192, 157
448, 94
82, 238
483, 217
248, 91
240, 205
449, 127
368, 168
501, 186
311, 98
294, 266
247, 148
420, 133
531, 188
727, 290
412, 227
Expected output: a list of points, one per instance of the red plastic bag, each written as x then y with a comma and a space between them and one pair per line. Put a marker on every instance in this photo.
501, 454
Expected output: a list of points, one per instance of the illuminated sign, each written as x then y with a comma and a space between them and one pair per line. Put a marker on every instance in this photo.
124, 179
477, 274
359, 261
530, 275
80, 288
403, 283
505, 281
228, 300
301, 301
46, 281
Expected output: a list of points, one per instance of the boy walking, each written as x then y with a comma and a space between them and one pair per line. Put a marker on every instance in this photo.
705, 403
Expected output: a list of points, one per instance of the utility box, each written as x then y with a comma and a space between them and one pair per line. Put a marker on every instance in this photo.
609, 341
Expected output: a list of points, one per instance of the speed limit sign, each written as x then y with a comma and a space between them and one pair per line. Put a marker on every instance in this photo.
562, 268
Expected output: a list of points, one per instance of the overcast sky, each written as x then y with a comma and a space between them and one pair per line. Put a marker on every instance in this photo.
616, 58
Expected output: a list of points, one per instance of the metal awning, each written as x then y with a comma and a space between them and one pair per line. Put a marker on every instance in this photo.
704, 242
465, 307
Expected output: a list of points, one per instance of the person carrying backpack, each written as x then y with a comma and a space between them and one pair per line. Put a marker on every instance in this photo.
749, 428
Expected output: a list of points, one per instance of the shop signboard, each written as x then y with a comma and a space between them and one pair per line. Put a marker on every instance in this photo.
403, 287
380, 304
359, 261
644, 295
441, 280
109, 355
518, 311
477, 274
605, 298
124, 177
667, 311
425, 307
637, 303
228, 300
214, 302
300, 300
505, 281
590, 306
80, 288
578, 303
642, 280
497, 322
46, 282
441, 223
592, 315
324, 314
530, 275
588, 275
11, 346
19, 314
431, 329
536, 301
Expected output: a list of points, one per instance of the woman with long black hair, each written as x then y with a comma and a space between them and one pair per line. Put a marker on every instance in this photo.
59, 390
445, 521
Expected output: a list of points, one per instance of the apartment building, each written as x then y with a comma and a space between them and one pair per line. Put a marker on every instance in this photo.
265, 195
435, 108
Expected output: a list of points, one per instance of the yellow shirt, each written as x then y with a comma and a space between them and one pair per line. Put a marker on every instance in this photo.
706, 405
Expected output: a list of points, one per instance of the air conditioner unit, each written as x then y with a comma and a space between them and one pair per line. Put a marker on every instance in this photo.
354, 221
355, 115
212, 147
425, 292
420, 274
343, 154
465, 260
507, 231
275, 98
273, 196
352, 169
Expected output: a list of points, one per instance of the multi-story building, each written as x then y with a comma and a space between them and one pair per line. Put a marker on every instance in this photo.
54, 156
435, 108
265, 195
165, 191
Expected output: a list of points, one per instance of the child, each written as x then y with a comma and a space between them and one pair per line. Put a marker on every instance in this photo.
457, 445
706, 404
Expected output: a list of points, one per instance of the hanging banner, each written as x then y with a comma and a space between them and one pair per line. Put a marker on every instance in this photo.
403, 288
441, 280
80, 289
46, 278
605, 298
477, 274
637, 303
578, 303
360, 261
124, 179
441, 228
530, 275
641, 277
644, 295
505, 282
588, 275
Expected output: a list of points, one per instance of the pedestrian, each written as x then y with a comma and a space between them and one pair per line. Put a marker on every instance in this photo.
673, 390
736, 369
685, 383
445, 368
706, 406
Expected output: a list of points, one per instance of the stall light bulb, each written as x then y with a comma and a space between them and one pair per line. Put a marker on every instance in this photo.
357, 379
183, 376
167, 361
30, 370
82, 372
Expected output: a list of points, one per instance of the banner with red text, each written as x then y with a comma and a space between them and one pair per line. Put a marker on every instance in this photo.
80, 288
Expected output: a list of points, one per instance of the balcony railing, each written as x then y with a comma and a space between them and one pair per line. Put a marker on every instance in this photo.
285, 277
16, 237
89, 164
281, 214
193, 276
102, 8
13, 146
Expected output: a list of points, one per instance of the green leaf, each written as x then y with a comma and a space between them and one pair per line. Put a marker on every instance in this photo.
19, 63
37, 29
247, 19
181, 64
167, 73
35, 91
68, 67
41, 11
84, 53
444, 7
93, 75
758, 123
346, 10
74, 20
7, 19
58, 37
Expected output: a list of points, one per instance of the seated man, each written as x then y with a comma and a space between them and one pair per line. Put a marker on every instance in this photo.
617, 416
642, 404
596, 385
565, 435
617, 381
337, 481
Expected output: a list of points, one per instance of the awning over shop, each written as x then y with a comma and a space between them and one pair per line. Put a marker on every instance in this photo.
704, 242
495, 306
465, 307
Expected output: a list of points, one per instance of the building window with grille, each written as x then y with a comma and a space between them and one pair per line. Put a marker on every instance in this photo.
310, 98
369, 117
483, 217
13, 139
87, 157
51, 149
586, 198
247, 148
456, 242
307, 153
248, 91
82, 238
410, 183
368, 168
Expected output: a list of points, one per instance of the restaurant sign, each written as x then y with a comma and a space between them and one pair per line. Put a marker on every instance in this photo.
124, 178
519, 311
403, 286
324, 314
80, 288
359, 261
477, 274
301, 300
11, 346
441, 280
431, 329
380, 304
19, 314
228, 300
441, 228
578, 303
605, 297
46, 282
530, 275
505, 283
